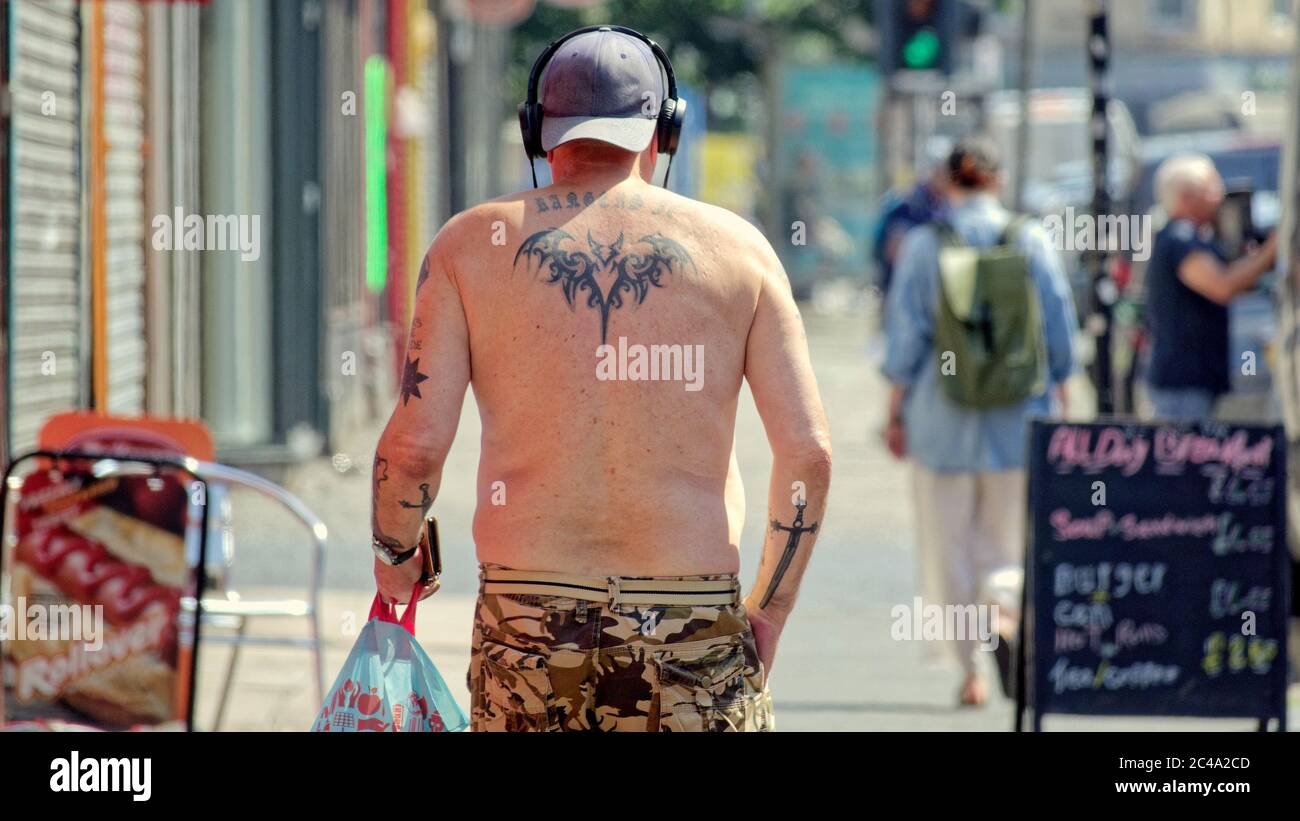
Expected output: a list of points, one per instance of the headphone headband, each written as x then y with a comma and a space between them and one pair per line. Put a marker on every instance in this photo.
672, 111
535, 76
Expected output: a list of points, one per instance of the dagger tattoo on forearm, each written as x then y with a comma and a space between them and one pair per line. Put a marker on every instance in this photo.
796, 530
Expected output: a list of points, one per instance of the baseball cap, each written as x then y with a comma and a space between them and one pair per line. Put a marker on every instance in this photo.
600, 86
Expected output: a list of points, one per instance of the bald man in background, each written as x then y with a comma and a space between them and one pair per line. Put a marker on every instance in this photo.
1189, 286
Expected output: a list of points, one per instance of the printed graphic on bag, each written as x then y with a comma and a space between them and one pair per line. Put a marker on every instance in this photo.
349, 709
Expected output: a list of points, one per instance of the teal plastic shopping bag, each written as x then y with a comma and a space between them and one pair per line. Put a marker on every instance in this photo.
388, 683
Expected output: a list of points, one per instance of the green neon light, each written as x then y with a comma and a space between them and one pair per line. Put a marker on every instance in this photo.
377, 75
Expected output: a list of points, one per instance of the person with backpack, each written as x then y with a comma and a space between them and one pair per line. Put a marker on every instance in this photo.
900, 212
980, 340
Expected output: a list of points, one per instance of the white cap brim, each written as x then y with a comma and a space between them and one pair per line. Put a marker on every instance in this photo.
628, 133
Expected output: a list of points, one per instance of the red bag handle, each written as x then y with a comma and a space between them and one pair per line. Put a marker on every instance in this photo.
386, 611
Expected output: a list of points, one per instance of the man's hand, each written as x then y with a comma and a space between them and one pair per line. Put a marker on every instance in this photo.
895, 438
395, 583
894, 434
766, 634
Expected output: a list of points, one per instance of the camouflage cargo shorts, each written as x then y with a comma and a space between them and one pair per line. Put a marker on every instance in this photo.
545, 663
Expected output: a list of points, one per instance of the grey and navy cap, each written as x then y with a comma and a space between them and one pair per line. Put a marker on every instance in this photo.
601, 85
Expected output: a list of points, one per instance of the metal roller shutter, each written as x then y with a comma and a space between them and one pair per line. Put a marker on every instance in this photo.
45, 197
124, 124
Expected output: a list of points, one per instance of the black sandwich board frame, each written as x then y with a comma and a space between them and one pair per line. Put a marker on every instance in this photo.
1031, 620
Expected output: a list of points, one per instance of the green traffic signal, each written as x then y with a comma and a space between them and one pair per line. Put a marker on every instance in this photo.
922, 50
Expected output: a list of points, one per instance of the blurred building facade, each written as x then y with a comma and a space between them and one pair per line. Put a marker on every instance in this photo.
1162, 48
322, 123
1188, 27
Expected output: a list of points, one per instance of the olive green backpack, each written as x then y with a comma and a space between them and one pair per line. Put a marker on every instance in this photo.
989, 320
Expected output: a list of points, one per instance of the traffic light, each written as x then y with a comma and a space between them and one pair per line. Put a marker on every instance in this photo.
917, 35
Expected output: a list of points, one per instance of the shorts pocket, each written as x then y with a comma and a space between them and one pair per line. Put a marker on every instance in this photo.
715, 689
514, 691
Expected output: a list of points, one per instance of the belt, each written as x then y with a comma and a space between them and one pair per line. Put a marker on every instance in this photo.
612, 590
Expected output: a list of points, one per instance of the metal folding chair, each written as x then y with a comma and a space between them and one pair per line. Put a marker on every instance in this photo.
224, 608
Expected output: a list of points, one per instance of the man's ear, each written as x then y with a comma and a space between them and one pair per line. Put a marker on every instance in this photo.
649, 158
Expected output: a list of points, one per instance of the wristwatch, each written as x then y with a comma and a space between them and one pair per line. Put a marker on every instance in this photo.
432, 570
390, 556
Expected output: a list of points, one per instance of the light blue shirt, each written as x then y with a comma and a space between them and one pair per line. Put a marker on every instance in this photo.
941, 435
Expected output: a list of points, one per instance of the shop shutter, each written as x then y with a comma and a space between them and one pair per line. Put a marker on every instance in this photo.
124, 125
46, 318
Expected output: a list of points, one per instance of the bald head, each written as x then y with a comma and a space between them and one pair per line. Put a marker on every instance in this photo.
1188, 186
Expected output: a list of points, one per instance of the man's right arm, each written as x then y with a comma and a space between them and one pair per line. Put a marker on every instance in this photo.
1203, 273
780, 376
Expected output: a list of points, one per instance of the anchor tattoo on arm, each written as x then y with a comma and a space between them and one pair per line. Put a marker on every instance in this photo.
423, 504
796, 530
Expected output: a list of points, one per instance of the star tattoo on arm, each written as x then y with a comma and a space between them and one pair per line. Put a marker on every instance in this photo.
411, 379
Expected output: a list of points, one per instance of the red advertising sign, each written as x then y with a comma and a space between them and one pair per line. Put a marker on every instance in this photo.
94, 571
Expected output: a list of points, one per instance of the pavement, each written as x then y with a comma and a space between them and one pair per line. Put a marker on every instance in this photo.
837, 667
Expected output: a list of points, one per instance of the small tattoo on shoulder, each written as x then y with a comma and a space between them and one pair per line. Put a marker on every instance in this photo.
424, 273
584, 199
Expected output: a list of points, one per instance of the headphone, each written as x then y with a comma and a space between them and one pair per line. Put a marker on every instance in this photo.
672, 111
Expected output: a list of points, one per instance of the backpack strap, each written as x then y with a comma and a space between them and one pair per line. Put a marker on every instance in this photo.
1015, 225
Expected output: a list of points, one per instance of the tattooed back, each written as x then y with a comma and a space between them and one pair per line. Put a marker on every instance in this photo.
607, 334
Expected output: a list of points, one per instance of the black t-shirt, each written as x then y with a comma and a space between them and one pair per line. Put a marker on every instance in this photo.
1190, 332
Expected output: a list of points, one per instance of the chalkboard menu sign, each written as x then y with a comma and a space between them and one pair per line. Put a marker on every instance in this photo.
1157, 573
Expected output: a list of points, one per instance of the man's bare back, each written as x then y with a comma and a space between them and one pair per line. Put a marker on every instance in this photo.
608, 343
606, 326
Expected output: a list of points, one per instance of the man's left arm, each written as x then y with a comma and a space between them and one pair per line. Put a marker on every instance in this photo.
408, 460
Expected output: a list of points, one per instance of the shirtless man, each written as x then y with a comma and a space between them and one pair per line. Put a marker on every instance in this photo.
609, 596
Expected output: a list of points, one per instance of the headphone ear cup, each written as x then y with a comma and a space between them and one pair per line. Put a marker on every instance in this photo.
671, 117
530, 131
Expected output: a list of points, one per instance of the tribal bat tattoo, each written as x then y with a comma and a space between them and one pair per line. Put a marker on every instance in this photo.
577, 271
